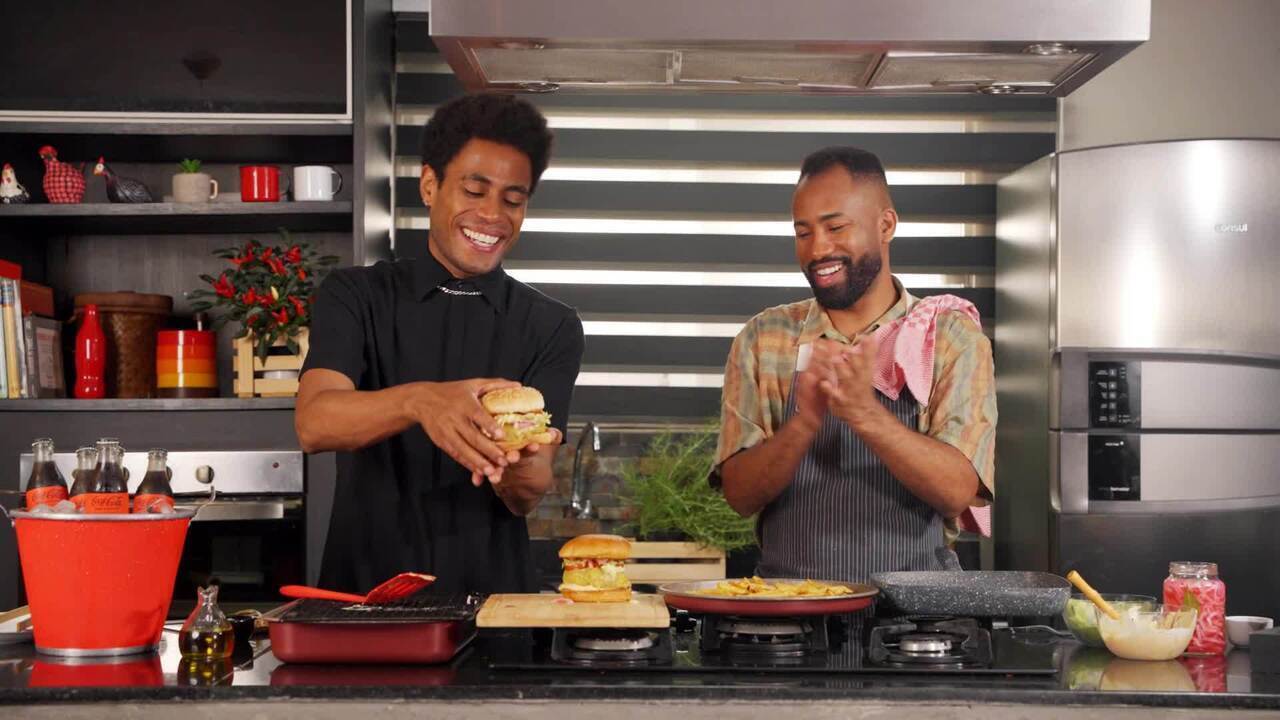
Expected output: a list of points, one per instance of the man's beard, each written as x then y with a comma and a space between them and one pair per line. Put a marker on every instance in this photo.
858, 277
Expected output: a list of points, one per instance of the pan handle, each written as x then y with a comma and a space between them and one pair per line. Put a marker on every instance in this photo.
948, 558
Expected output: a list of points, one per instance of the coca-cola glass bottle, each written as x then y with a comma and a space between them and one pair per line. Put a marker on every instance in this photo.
84, 474
46, 485
155, 494
109, 492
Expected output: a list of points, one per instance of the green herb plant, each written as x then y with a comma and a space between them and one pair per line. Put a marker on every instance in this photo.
669, 489
190, 166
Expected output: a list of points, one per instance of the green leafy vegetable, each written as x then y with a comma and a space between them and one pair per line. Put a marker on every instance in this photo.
669, 488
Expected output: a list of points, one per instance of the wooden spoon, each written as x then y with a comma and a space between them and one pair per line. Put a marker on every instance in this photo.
397, 588
1074, 578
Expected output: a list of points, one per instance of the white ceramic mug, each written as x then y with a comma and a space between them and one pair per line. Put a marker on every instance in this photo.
315, 182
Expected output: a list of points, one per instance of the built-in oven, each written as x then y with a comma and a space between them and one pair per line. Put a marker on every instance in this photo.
249, 531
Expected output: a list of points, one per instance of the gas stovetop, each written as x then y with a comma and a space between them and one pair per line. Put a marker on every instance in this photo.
834, 644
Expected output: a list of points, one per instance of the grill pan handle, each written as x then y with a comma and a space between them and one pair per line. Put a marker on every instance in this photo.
302, 591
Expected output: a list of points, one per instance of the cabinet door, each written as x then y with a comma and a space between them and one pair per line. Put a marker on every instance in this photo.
230, 57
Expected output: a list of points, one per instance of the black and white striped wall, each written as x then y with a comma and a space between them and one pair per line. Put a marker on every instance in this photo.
665, 219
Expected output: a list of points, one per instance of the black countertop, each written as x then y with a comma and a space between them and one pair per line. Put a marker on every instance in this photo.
1087, 677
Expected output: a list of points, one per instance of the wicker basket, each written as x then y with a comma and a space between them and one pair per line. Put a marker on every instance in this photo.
249, 370
130, 321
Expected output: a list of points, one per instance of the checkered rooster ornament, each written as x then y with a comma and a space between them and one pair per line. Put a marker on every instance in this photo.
63, 183
11, 191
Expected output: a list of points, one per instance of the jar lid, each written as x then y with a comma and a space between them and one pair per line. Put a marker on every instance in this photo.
185, 337
1193, 568
127, 301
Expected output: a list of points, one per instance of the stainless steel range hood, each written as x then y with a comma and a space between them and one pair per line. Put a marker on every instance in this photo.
857, 47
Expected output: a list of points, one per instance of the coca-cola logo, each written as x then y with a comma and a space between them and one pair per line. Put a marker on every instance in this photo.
105, 502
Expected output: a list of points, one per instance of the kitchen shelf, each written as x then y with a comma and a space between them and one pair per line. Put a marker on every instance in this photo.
145, 404
214, 217
120, 127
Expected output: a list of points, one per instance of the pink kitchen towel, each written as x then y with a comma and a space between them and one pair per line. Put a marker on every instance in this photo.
905, 358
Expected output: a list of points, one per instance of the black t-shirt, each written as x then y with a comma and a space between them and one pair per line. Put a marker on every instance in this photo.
402, 504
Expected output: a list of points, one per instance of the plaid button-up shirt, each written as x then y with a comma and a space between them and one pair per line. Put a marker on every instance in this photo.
962, 403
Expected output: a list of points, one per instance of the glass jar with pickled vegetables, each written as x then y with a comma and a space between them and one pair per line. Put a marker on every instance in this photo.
1196, 585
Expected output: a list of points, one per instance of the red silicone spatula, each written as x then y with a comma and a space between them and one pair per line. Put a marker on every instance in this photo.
397, 588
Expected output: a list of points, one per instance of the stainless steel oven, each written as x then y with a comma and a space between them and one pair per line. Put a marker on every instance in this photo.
249, 533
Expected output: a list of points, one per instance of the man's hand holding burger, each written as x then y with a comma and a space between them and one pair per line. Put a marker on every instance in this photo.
529, 441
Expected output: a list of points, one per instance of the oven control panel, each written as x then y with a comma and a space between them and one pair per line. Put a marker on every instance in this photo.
1114, 394
1115, 467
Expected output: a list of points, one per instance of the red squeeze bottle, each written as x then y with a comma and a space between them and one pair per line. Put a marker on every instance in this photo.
91, 356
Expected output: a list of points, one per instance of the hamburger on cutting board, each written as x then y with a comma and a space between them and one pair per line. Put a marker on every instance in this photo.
593, 568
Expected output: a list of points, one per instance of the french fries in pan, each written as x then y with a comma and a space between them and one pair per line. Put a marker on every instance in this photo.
761, 588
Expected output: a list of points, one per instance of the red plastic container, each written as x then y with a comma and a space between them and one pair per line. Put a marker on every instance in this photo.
99, 584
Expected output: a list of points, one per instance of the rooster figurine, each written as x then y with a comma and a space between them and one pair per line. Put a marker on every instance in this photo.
122, 189
63, 183
11, 191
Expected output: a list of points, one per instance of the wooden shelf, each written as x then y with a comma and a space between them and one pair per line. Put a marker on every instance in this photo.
146, 404
215, 217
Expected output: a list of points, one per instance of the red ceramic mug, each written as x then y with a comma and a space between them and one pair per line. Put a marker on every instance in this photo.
260, 183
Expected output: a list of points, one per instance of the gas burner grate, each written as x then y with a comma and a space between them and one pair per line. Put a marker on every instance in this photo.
607, 648
423, 607
763, 637
930, 643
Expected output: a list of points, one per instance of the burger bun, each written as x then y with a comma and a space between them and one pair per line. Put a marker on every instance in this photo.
512, 400
542, 438
597, 546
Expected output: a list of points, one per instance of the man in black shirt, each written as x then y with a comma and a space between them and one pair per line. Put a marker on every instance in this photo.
400, 353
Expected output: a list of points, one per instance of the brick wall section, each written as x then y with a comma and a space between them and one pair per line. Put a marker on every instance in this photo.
603, 470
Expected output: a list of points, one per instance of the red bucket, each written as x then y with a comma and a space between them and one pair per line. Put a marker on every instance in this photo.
99, 584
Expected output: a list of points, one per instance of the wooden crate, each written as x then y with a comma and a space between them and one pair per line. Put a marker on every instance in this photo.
674, 562
249, 369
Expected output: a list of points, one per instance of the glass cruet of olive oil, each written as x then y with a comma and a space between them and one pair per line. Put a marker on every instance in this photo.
207, 633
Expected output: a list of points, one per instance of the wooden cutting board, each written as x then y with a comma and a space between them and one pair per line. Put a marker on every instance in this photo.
555, 610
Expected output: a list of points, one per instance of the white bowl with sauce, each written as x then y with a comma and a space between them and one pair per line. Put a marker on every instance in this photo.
1159, 634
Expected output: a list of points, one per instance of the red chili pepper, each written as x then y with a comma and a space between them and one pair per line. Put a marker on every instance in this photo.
276, 266
302, 274
294, 255
298, 308
266, 301
223, 287
281, 316
249, 297
267, 253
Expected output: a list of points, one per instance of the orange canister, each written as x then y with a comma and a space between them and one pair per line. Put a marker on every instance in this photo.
186, 363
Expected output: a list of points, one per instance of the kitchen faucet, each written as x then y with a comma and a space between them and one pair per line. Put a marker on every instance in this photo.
579, 500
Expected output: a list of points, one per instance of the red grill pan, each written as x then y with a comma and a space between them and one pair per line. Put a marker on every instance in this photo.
685, 596
417, 631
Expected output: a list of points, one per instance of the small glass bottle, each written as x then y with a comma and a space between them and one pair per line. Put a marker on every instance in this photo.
46, 486
207, 633
109, 491
84, 474
154, 491
1196, 584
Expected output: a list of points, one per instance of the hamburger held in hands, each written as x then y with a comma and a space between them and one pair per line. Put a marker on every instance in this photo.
519, 412
593, 569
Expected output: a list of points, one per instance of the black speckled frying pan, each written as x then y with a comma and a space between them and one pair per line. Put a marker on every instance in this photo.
974, 593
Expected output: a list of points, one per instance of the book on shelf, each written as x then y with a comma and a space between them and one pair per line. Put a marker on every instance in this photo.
43, 337
15, 346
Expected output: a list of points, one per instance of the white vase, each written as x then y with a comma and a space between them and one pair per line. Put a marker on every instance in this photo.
194, 188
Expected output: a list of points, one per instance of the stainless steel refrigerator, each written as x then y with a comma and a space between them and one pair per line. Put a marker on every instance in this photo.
1137, 349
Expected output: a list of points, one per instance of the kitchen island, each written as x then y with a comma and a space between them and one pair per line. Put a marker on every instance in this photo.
485, 681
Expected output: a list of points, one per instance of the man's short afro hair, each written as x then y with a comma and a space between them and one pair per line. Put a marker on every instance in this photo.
503, 119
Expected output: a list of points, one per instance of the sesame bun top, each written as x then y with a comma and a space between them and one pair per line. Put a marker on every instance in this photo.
512, 400
605, 547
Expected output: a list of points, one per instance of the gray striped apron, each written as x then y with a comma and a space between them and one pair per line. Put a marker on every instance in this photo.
844, 516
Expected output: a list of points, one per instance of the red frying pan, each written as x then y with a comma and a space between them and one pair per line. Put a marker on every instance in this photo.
686, 596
